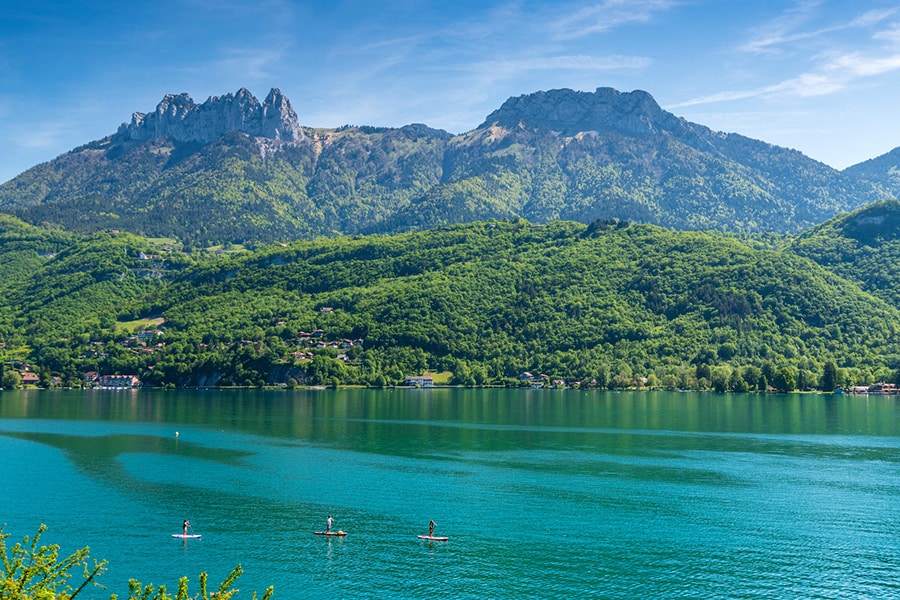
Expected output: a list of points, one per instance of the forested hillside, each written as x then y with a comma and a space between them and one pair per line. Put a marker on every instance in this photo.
863, 246
608, 304
883, 171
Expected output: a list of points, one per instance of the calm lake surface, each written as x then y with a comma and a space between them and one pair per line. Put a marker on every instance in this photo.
543, 493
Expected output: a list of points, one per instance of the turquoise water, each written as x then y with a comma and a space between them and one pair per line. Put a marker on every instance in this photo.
544, 494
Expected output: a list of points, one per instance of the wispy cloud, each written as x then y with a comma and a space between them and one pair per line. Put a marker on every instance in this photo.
509, 68
890, 35
789, 27
831, 70
784, 29
251, 63
47, 135
873, 17
837, 74
607, 15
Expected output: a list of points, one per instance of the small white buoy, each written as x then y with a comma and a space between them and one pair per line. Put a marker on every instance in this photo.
176, 434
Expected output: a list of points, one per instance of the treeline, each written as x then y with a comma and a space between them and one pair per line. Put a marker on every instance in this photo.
609, 305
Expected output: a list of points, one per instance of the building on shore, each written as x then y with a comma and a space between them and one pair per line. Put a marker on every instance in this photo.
119, 381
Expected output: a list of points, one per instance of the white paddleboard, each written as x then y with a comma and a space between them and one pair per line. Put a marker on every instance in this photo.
186, 536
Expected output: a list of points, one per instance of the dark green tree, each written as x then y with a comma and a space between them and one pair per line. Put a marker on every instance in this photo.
829, 376
11, 380
736, 382
785, 379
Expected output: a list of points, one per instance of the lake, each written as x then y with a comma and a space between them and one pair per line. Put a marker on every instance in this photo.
543, 493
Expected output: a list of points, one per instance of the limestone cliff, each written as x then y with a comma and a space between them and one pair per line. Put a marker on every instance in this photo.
183, 120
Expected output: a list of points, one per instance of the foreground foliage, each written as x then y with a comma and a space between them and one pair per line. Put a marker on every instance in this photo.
32, 571
138, 591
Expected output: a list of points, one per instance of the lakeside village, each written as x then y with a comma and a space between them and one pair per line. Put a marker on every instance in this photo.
94, 380
147, 342
142, 342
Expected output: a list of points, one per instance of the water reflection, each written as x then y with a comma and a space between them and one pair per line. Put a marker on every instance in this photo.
259, 410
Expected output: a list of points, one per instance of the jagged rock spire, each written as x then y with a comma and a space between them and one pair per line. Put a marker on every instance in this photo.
180, 118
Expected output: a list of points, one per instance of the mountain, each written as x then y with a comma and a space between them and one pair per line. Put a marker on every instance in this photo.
582, 156
862, 246
882, 170
234, 169
486, 301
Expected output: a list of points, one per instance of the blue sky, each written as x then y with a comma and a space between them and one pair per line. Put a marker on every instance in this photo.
820, 76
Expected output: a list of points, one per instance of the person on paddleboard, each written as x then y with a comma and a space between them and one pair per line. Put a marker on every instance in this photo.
328, 523
431, 525
184, 527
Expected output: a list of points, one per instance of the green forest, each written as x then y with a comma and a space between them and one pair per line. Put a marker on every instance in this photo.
499, 302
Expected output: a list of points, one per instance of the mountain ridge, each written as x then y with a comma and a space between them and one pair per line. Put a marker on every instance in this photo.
557, 154
883, 170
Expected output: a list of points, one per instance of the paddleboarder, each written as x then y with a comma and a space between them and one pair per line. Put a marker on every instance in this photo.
328, 523
431, 525
184, 527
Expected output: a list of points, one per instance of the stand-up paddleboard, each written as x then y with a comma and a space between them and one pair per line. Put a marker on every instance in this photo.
335, 533
434, 538
186, 536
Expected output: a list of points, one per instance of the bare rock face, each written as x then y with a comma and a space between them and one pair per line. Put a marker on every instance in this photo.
570, 112
180, 118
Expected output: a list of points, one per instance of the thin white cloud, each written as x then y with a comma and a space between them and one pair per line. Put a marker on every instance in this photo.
787, 29
46, 135
783, 29
251, 63
852, 66
831, 70
873, 17
837, 74
607, 15
890, 35
509, 68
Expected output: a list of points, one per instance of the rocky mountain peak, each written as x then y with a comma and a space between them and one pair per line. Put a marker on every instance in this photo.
180, 118
570, 112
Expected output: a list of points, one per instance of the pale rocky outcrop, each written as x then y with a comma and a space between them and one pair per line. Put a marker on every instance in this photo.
570, 112
180, 118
